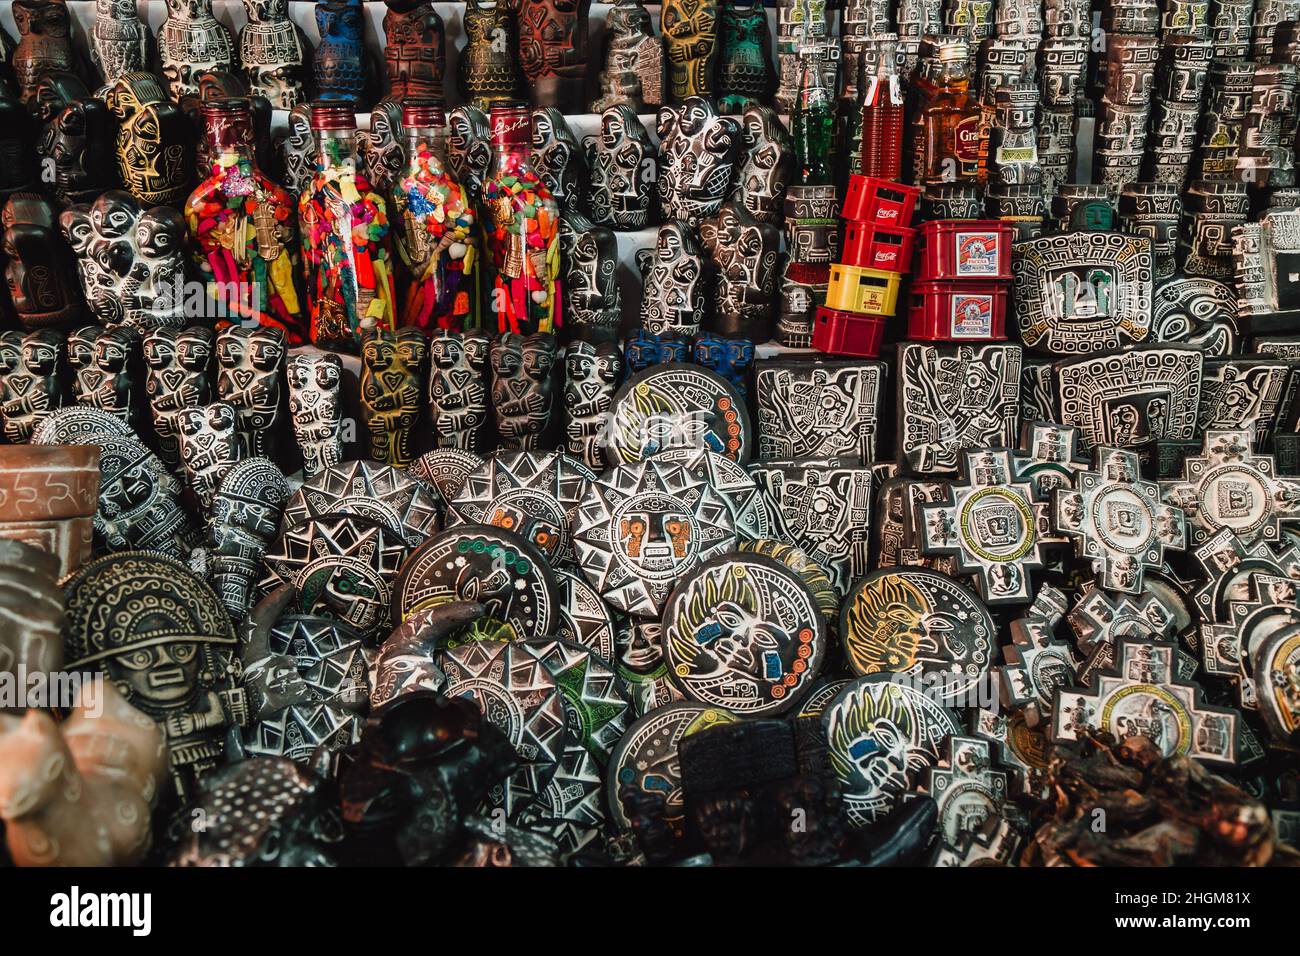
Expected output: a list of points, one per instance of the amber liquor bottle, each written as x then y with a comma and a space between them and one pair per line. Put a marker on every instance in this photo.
947, 116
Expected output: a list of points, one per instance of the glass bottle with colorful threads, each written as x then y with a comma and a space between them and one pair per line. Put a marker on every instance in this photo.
523, 232
434, 230
244, 230
345, 240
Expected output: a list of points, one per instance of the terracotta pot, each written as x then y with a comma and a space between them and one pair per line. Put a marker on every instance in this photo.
48, 497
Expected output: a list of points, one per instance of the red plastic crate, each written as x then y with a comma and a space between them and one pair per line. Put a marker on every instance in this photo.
847, 333
963, 249
877, 247
958, 312
880, 201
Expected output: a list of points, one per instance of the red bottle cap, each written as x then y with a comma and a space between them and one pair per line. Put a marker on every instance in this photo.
422, 113
333, 114
511, 125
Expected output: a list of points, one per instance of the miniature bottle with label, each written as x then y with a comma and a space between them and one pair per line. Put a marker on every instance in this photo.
813, 123
948, 116
433, 228
345, 241
882, 114
523, 229
243, 227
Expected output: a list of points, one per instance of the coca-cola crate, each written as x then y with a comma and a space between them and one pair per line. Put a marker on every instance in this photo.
836, 332
952, 249
957, 311
859, 289
879, 200
878, 247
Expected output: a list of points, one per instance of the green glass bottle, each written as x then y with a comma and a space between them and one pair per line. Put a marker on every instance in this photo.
813, 122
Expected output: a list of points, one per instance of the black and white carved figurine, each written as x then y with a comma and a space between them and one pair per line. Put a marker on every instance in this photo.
634, 60
699, 154
177, 362
210, 447
382, 152
39, 270
105, 369
674, 299
192, 41
120, 42
744, 252
621, 161
523, 388
558, 158
469, 148
458, 388
592, 374
768, 164
250, 367
315, 409
242, 523
592, 299
273, 53
32, 389
298, 150
139, 501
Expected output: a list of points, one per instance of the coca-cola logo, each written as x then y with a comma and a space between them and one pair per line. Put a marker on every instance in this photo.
889, 214
886, 255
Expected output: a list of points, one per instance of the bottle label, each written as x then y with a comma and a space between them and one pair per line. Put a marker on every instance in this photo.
977, 253
966, 144
971, 316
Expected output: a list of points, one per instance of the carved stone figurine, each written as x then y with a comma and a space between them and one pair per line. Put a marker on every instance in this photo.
557, 157
155, 143
120, 42
553, 51
34, 387
745, 252
392, 364
469, 148
458, 397
244, 520
176, 378
592, 302
209, 447
44, 43
621, 160
489, 72
673, 301
80, 143
768, 165
642, 348
39, 269
733, 359
250, 364
104, 364
130, 260
273, 53
139, 501
592, 373
523, 388
745, 73
340, 61
699, 153
18, 170
29, 591
381, 146
690, 29
415, 51
55, 90
298, 151
192, 41
80, 792
634, 60
314, 380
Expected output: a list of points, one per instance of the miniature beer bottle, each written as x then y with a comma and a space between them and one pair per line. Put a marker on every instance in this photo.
345, 241
522, 225
433, 228
244, 230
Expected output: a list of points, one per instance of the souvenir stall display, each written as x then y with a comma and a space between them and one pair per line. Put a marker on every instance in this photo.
533, 440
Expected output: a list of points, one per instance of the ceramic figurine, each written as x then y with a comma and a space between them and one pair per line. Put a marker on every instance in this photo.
250, 365
176, 378
155, 142
435, 229
621, 161
733, 359
643, 348
1013, 140
44, 44
103, 363
192, 41
553, 51
633, 61
297, 151
81, 791
11, 358
120, 42
39, 268
592, 300
744, 56
558, 158
489, 71
414, 50
314, 406
18, 170
458, 399
242, 226
523, 388
273, 53
29, 585
242, 522
392, 364
55, 91
673, 301
690, 31
768, 164
209, 444
469, 148
381, 146
699, 152
130, 260
592, 374
744, 251
80, 143
343, 224
139, 501
34, 387
340, 59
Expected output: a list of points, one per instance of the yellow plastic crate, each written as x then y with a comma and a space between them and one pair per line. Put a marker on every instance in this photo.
863, 290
